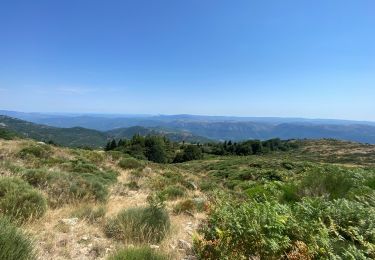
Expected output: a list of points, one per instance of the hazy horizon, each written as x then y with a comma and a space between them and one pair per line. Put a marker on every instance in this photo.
244, 58
51, 113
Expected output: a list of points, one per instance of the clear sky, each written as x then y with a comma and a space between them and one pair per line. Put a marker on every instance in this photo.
284, 58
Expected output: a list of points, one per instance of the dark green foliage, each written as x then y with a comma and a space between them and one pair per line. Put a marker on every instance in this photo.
130, 163
6, 134
20, 201
140, 253
190, 153
148, 224
268, 229
249, 147
14, 244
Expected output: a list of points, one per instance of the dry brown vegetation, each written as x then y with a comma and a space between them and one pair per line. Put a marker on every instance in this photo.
72, 230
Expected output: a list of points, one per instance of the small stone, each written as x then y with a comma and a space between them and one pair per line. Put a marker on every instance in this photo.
182, 244
69, 221
154, 247
147, 170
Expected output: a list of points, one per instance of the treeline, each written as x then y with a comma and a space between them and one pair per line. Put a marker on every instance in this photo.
249, 147
157, 149
160, 149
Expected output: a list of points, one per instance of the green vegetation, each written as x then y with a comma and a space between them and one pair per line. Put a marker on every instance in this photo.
6, 134
37, 151
130, 163
300, 209
137, 254
20, 201
257, 200
173, 192
142, 224
14, 243
87, 183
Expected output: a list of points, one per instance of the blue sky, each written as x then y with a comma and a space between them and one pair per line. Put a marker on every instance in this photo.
285, 58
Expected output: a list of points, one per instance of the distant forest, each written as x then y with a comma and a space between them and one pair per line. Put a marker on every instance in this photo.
160, 149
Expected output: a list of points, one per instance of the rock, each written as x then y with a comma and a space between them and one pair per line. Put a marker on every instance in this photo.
195, 187
182, 244
154, 247
41, 143
85, 238
147, 170
69, 221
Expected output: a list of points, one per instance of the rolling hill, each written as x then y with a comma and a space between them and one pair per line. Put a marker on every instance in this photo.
79, 136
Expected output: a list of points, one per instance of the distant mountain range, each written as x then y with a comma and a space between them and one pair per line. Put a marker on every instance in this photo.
79, 136
201, 128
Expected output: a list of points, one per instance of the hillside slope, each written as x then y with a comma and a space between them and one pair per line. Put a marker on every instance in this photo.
218, 127
83, 137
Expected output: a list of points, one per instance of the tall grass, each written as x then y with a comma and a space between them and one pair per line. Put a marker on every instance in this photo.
140, 225
14, 244
140, 253
20, 201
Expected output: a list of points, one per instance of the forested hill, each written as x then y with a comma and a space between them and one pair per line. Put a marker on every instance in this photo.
83, 137
191, 127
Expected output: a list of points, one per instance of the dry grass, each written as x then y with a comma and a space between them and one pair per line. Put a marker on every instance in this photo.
85, 239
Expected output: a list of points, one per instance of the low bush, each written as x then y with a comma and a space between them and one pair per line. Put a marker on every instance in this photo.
140, 225
138, 253
133, 185
20, 201
130, 163
173, 192
68, 187
185, 206
6, 134
14, 244
315, 228
35, 150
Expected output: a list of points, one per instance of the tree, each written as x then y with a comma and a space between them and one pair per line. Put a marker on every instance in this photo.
191, 152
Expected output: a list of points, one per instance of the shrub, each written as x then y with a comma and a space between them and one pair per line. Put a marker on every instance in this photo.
14, 244
185, 206
137, 254
6, 134
332, 182
20, 201
143, 224
67, 187
90, 213
38, 151
133, 185
190, 153
314, 227
130, 163
173, 192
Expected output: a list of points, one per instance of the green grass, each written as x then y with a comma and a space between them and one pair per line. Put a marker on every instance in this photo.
140, 253
20, 201
70, 187
39, 151
173, 192
14, 243
140, 225
130, 163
